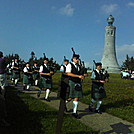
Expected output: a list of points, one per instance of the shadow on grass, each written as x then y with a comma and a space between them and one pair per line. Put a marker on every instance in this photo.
118, 104
119, 128
85, 112
23, 118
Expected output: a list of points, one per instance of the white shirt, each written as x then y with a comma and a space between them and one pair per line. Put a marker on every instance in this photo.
93, 74
125, 74
62, 68
98, 71
25, 69
69, 68
13, 63
41, 68
8, 65
132, 75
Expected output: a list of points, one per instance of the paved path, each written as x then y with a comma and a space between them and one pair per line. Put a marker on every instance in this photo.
105, 123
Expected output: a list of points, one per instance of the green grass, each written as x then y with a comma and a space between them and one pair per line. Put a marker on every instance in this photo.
120, 97
28, 115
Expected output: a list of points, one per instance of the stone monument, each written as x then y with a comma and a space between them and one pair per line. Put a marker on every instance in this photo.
109, 60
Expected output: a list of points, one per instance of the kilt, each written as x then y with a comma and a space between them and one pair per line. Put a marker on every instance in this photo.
45, 83
26, 79
36, 76
3, 80
73, 92
98, 92
15, 74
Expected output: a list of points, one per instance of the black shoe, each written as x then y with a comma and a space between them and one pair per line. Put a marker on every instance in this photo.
48, 100
98, 111
75, 115
90, 109
24, 88
38, 95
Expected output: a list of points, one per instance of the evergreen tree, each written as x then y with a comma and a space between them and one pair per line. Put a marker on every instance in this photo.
128, 63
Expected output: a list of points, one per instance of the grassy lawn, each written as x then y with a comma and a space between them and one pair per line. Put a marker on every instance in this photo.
120, 95
28, 115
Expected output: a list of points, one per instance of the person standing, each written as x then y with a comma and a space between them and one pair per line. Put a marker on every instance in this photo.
46, 73
27, 77
97, 91
64, 81
36, 75
132, 76
2, 74
16, 71
9, 70
73, 70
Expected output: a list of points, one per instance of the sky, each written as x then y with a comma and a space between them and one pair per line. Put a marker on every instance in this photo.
53, 27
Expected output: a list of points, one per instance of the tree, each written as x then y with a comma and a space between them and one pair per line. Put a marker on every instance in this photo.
128, 63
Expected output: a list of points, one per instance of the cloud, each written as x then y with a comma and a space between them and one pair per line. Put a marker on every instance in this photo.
130, 4
108, 9
123, 50
67, 10
53, 8
126, 49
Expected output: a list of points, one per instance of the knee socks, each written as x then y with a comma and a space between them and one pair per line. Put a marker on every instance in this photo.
98, 105
47, 93
36, 82
75, 106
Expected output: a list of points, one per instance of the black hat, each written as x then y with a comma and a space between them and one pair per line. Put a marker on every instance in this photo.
1, 54
46, 59
76, 56
98, 64
66, 60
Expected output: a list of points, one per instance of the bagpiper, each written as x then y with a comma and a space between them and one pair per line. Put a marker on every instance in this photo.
63, 83
27, 77
73, 70
15, 71
46, 73
97, 91
36, 74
